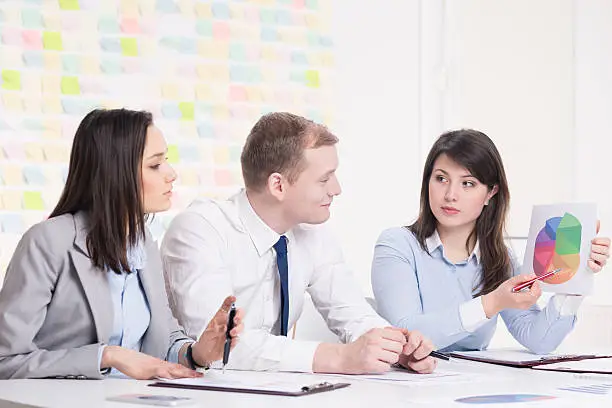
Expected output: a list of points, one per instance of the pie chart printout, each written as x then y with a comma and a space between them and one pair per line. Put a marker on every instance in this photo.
557, 245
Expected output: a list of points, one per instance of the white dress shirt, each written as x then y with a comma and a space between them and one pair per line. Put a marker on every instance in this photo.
218, 248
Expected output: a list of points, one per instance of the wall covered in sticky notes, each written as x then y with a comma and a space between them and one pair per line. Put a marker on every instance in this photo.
207, 70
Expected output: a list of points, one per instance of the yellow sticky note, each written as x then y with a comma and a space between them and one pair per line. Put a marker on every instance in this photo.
312, 78
173, 154
203, 10
32, 104
129, 47
11, 79
253, 94
56, 153
52, 61
32, 200
51, 84
70, 85
34, 152
69, 4
11, 173
129, 8
221, 155
221, 113
189, 177
12, 102
90, 65
52, 40
170, 90
187, 110
203, 92
52, 104
52, 21
12, 200
186, 7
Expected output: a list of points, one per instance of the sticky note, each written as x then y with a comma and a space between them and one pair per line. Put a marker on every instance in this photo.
129, 47
52, 61
189, 177
169, 90
11, 224
223, 178
205, 131
69, 4
32, 40
14, 151
131, 66
12, 102
11, 79
171, 111
34, 152
236, 11
33, 175
221, 31
204, 28
52, 104
110, 66
220, 10
33, 59
203, 10
312, 78
221, 155
70, 85
71, 63
130, 26
234, 153
311, 4
56, 153
269, 34
108, 25
110, 44
187, 110
11, 36
267, 16
90, 65
32, 104
189, 153
173, 154
11, 173
31, 18
299, 58
237, 93
52, 40
32, 200
237, 52
129, 8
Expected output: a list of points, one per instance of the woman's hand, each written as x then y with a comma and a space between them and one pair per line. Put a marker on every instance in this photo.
504, 298
209, 347
141, 366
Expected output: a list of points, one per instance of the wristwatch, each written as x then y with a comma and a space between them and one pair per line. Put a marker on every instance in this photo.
189, 358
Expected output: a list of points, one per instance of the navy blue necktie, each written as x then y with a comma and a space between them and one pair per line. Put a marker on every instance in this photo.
283, 270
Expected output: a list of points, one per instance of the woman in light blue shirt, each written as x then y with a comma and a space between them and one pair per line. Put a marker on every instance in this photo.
84, 294
450, 274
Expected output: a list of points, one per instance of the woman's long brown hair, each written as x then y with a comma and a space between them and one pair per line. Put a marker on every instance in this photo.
476, 152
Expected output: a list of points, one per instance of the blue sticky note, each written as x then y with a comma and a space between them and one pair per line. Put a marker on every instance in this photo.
235, 152
166, 6
267, 16
31, 18
313, 38
203, 109
110, 45
110, 66
220, 10
283, 17
206, 131
108, 25
71, 106
204, 28
32, 124
33, 59
253, 75
71, 63
33, 175
187, 45
2, 16
299, 58
237, 52
269, 34
326, 41
297, 76
171, 110
189, 153
238, 73
12, 223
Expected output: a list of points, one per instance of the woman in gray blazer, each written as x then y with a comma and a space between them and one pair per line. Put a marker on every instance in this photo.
84, 294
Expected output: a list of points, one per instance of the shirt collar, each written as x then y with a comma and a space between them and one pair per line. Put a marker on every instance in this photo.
261, 234
434, 242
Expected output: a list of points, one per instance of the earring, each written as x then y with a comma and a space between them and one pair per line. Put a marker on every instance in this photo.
486, 202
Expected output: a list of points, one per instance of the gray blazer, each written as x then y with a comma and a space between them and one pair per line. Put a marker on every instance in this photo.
56, 309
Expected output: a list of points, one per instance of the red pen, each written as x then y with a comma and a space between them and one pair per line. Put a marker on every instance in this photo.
528, 283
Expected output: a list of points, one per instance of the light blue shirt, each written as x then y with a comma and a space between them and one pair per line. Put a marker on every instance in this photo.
429, 293
131, 312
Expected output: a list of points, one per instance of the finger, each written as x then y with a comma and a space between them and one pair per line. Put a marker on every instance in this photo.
393, 334
599, 258
536, 290
227, 304
235, 332
392, 346
377, 366
239, 316
595, 267
388, 357
180, 371
601, 246
413, 341
597, 227
424, 366
424, 349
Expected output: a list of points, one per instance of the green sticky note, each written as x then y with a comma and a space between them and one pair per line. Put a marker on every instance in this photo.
32, 200
52, 40
312, 78
11, 79
129, 47
187, 110
173, 154
70, 85
69, 4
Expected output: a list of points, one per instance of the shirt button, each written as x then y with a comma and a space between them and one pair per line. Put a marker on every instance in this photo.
81, 377
70, 377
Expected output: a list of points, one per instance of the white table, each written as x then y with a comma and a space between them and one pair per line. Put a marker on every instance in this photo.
371, 394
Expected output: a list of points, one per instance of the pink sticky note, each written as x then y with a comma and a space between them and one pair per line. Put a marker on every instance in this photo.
223, 178
221, 31
130, 25
237, 93
251, 15
70, 22
14, 151
299, 3
252, 52
11, 36
131, 66
32, 40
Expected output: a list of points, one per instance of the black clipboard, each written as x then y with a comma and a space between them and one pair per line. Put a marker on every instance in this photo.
305, 390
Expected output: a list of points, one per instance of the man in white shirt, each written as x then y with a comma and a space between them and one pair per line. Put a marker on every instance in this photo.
266, 245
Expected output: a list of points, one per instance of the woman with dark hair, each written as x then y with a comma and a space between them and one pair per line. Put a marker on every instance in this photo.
450, 273
84, 294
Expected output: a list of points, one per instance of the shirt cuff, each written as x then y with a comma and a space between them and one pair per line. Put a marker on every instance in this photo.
173, 353
103, 371
298, 356
567, 305
472, 315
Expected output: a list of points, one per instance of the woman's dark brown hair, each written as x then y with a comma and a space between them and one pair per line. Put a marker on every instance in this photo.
476, 152
104, 180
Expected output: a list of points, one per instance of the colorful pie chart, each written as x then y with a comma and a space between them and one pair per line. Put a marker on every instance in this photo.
504, 398
558, 246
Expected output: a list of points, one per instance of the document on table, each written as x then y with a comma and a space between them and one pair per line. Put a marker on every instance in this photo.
403, 375
596, 366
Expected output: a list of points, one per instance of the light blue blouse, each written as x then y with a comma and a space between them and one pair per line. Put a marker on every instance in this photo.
424, 291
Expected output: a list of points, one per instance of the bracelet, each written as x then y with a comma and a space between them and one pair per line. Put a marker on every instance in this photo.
189, 358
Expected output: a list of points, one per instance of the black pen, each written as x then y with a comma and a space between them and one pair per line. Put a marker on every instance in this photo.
439, 355
228, 337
